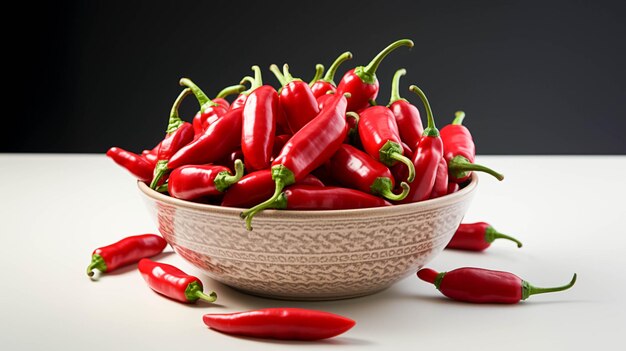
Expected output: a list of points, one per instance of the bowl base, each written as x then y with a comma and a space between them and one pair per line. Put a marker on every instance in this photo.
310, 298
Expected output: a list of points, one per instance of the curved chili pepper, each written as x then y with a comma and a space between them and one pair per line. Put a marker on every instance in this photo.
280, 323
124, 252
319, 70
257, 186
477, 237
311, 146
311, 197
440, 187
296, 100
178, 134
259, 124
241, 99
171, 282
379, 134
361, 82
135, 164
453, 187
327, 84
426, 156
355, 169
194, 181
479, 285
407, 115
324, 99
213, 144
209, 111
460, 151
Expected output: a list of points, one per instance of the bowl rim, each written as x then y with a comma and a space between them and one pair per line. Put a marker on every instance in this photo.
395, 209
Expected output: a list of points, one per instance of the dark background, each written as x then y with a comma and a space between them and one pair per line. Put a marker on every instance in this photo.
534, 77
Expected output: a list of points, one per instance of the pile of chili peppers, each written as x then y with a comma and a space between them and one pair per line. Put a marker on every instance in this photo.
307, 146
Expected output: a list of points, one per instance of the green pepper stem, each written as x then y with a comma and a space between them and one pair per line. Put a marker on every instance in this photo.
492, 234
269, 203
258, 77
459, 116
395, 86
371, 68
288, 77
330, 74
430, 130
279, 75
162, 188
224, 179
97, 262
249, 80
233, 89
159, 171
386, 191
175, 122
210, 297
399, 157
461, 165
193, 292
528, 289
319, 70
202, 98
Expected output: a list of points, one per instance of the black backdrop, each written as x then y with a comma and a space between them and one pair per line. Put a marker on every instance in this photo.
534, 77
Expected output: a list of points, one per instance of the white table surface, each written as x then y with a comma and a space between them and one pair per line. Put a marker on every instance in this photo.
570, 213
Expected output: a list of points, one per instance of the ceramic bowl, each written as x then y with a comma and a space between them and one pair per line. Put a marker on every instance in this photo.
310, 255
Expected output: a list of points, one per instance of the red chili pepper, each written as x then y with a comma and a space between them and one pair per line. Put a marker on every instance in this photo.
257, 186
323, 100
178, 134
440, 187
194, 181
209, 112
477, 237
327, 84
213, 144
241, 99
407, 115
296, 99
478, 285
400, 171
279, 143
135, 164
259, 124
311, 146
124, 252
230, 158
379, 135
280, 323
170, 281
362, 83
220, 98
460, 151
151, 155
426, 156
453, 187
355, 169
352, 120
311, 197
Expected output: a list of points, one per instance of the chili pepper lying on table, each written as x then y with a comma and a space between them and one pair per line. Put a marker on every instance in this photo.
256, 187
196, 181
259, 124
426, 156
479, 285
178, 134
170, 281
327, 84
309, 148
209, 111
407, 115
355, 169
138, 166
361, 82
296, 100
476, 237
379, 135
280, 323
124, 252
460, 151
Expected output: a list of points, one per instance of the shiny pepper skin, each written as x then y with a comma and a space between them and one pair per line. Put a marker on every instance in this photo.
192, 182
126, 251
135, 164
171, 282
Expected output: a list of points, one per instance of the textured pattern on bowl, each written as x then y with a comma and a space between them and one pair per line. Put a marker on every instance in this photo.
310, 255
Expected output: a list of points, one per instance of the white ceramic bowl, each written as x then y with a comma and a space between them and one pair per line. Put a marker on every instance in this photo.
310, 255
